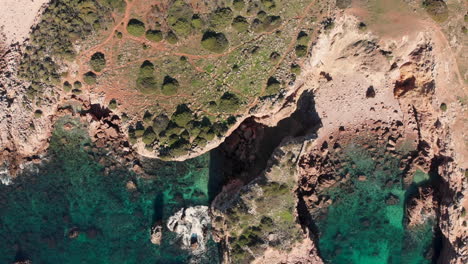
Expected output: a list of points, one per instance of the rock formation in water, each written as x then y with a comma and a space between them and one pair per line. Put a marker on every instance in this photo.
191, 226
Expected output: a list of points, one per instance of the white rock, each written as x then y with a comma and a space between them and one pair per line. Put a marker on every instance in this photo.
191, 225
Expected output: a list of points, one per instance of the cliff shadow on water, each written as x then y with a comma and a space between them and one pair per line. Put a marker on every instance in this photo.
82, 206
245, 153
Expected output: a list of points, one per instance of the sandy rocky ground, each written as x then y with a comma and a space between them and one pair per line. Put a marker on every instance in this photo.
359, 79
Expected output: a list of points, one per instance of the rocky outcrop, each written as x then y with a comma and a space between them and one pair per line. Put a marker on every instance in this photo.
191, 226
25, 123
409, 78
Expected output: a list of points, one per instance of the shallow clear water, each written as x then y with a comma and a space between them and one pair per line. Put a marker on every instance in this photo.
71, 196
365, 223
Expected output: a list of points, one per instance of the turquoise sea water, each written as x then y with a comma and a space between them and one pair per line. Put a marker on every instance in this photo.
72, 196
365, 223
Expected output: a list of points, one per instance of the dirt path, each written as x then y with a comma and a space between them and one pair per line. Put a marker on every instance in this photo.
161, 49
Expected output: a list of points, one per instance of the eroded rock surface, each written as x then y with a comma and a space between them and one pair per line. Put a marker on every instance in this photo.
191, 225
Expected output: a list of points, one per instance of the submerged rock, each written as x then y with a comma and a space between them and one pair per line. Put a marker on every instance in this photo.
156, 235
191, 225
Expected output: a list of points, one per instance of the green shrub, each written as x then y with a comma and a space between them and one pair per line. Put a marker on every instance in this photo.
160, 123
77, 85
229, 103
179, 148
342, 4
170, 86
119, 35
221, 18
147, 117
182, 116
112, 104
178, 9
269, 4
154, 35
214, 42
275, 57
77, 91
171, 38
182, 27
98, 61
135, 27
296, 69
301, 51
62, 23
149, 136
146, 81
273, 86
38, 113
197, 22
303, 38
139, 129
265, 23
90, 78
117, 4
67, 86
271, 22
437, 9
240, 24
200, 142
238, 4
443, 107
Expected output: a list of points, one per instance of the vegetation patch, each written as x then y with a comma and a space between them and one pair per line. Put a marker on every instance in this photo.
154, 35
171, 38
238, 5
135, 27
437, 9
51, 40
90, 78
229, 103
98, 61
169, 86
221, 18
214, 42
146, 82
240, 24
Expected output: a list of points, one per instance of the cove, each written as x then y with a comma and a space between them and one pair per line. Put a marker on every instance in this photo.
73, 210
365, 223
